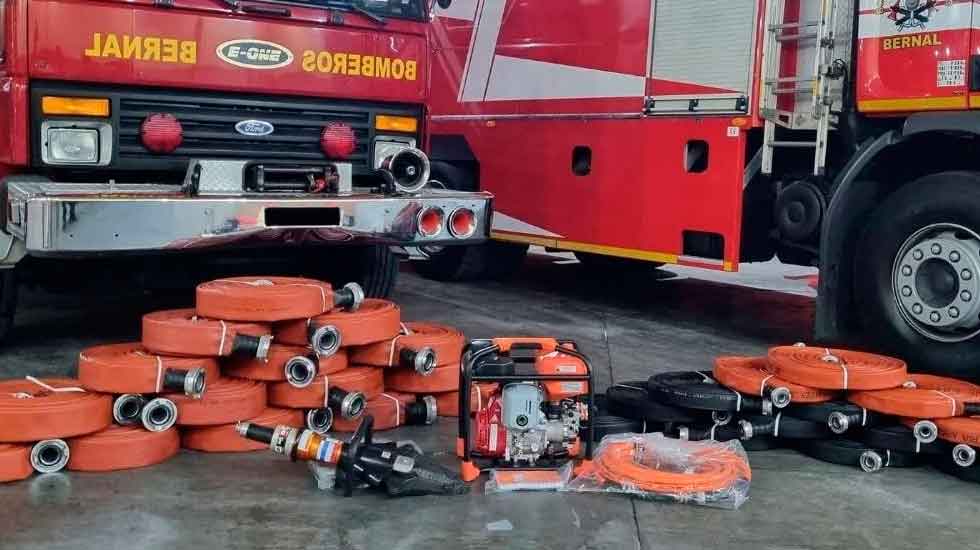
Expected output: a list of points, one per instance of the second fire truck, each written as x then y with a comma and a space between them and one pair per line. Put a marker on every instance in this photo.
836, 133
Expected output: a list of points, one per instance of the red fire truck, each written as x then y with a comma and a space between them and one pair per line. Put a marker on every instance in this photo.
837, 133
140, 129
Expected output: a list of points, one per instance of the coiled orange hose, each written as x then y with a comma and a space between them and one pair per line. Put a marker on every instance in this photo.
15, 462
180, 332
835, 369
367, 380
375, 321
964, 391
263, 299
962, 429
444, 378
711, 469
273, 368
227, 400
925, 397
752, 375
121, 448
32, 411
224, 438
446, 342
129, 368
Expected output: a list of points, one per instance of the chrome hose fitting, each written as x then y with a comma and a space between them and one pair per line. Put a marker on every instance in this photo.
423, 412
126, 409
49, 456
964, 455
300, 371
319, 420
325, 340
350, 405
780, 397
838, 422
191, 382
348, 298
246, 345
422, 360
925, 431
721, 418
871, 461
159, 414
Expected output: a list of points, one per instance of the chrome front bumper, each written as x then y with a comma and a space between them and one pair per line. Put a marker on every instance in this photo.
61, 219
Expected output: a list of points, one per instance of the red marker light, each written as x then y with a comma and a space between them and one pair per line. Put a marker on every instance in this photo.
462, 223
161, 133
338, 141
430, 221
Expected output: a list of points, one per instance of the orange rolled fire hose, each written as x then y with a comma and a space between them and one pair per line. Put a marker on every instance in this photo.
752, 375
714, 470
961, 429
264, 299
15, 462
227, 400
479, 394
367, 380
444, 378
374, 321
121, 448
835, 369
919, 399
34, 409
446, 342
224, 438
180, 332
128, 368
273, 368
388, 410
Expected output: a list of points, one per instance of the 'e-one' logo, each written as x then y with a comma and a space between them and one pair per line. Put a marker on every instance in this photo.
254, 54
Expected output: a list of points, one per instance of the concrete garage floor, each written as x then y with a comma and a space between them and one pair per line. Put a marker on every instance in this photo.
259, 500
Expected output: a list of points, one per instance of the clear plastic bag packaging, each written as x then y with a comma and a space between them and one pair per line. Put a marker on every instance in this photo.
654, 467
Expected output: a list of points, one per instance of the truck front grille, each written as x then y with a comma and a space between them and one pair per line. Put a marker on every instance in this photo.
209, 118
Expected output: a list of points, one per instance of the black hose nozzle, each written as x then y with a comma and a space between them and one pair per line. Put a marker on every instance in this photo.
350, 405
422, 360
423, 412
190, 382
348, 298
246, 345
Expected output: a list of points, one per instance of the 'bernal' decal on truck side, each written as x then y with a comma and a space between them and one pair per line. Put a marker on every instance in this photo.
254, 54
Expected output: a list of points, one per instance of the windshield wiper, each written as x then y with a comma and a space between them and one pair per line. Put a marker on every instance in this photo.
352, 7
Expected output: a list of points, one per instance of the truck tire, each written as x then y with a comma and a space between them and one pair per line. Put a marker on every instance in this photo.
8, 301
374, 267
917, 277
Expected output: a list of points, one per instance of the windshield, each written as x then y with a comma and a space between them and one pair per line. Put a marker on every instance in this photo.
406, 9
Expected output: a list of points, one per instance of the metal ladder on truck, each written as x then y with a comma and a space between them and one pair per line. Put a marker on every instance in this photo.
817, 115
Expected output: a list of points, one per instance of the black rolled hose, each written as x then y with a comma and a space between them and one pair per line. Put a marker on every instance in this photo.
840, 416
783, 427
847, 452
631, 400
698, 390
944, 461
902, 439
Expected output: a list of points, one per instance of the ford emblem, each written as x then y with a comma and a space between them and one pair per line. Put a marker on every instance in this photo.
254, 128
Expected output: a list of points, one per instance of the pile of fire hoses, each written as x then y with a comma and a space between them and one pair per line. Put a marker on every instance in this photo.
268, 350
841, 406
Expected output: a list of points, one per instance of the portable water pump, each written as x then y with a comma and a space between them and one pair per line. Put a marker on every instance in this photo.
533, 421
